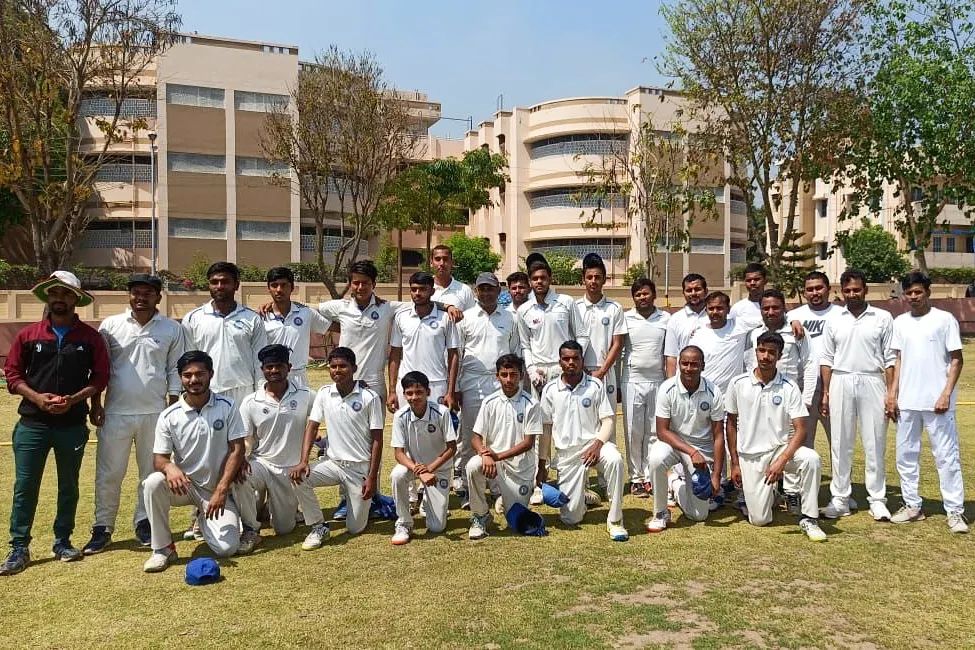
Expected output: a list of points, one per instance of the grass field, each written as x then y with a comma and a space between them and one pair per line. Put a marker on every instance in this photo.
719, 584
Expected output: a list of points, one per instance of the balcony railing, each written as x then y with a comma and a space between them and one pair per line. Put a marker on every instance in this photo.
124, 173
102, 106
332, 244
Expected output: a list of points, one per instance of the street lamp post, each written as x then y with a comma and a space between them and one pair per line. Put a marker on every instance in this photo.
152, 186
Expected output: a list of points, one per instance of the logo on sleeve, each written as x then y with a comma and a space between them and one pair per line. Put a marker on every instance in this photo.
218, 425
586, 402
777, 400
705, 406
610, 389
356, 406
298, 320
431, 428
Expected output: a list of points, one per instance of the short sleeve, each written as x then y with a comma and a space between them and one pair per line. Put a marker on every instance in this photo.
604, 409
447, 425
547, 405
330, 309
619, 322
533, 419
451, 336
235, 427
318, 406
319, 324
246, 420
396, 334
952, 334
377, 414
897, 340
671, 340
663, 406
399, 433
731, 399
717, 406
163, 443
797, 409
479, 421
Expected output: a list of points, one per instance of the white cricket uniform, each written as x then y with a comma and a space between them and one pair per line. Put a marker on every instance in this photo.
814, 324
747, 313
690, 415
723, 350
502, 423
544, 327
425, 341
232, 341
857, 348
277, 427
603, 320
575, 415
456, 294
294, 330
423, 438
681, 326
925, 344
483, 338
198, 442
765, 414
143, 373
349, 422
792, 363
643, 373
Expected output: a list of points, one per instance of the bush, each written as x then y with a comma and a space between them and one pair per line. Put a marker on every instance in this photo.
944, 275
634, 273
472, 256
564, 269
873, 251
386, 262
18, 276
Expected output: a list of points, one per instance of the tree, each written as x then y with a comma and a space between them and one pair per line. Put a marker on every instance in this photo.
915, 132
349, 140
566, 270
472, 255
53, 55
873, 250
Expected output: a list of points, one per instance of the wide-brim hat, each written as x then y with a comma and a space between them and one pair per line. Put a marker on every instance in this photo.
65, 279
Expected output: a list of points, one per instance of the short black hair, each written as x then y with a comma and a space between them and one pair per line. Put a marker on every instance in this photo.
692, 348
442, 247
342, 353
571, 344
194, 356
280, 273
539, 265
852, 274
224, 267
773, 293
694, 277
771, 338
816, 275
510, 361
718, 295
274, 353
916, 277
755, 267
414, 378
517, 276
641, 283
366, 268
593, 261
422, 277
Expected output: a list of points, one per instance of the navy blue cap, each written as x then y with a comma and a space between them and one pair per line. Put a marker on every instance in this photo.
701, 482
525, 522
202, 571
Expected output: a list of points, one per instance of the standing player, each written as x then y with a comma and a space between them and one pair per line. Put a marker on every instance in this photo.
923, 395
643, 373
857, 367
603, 319
747, 312
766, 420
519, 288
291, 323
685, 322
722, 340
143, 346
795, 356
447, 289
508, 424
578, 420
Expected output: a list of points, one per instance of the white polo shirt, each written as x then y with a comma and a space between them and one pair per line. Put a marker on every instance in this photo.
424, 438
691, 414
425, 341
504, 421
349, 421
682, 324
365, 332
482, 338
747, 313
643, 347
143, 363
925, 344
544, 327
795, 354
603, 320
723, 350
233, 342
575, 413
859, 344
456, 293
765, 411
198, 440
294, 331
278, 427
814, 325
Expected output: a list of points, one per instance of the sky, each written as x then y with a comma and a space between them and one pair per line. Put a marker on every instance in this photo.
467, 54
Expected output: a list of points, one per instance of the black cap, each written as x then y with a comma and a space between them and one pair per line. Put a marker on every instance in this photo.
274, 353
145, 278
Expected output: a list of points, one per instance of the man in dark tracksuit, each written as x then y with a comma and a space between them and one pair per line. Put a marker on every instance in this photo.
55, 365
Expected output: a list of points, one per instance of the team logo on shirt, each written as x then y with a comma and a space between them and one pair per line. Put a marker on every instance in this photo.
777, 400
38, 347
587, 402
434, 325
443, 484
610, 389
605, 320
218, 425
81, 348
239, 324
266, 410
298, 320
705, 406
356, 406
440, 400
536, 322
521, 417
293, 404
374, 315
431, 428
523, 490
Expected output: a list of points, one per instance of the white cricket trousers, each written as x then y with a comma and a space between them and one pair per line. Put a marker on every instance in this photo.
760, 496
790, 482
609, 384
858, 398
282, 497
516, 486
639, 427
943, 434
434, 498
222, 534
660, 459
350, 477
115, 439
572, 481
471, 401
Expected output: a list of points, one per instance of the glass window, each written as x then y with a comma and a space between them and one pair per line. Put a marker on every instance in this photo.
950, 244
259, 102
936, 244
264, 230
260, 167
197, 163
198, 228
579, 144
571, 197
194, 96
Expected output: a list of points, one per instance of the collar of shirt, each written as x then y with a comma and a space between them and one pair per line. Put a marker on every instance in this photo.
447, 287
483, 312
701, 387
549, 299
295, 308
73, 324
355, 306
416, 418
263, 397
187, 408
434, 314
777, 379
131, 317
208, 308
655, 315
582, 385
869, 310
690, 313
589, 305
333, 390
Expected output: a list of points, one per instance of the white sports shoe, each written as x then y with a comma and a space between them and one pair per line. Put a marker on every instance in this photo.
906, 514
658, 523
592, 498
249, 540
957, 523
879, 511
616, 531
536, 497
836, 509
316, 537
479, 525
159, 560
401, 535
812, 529
499, 506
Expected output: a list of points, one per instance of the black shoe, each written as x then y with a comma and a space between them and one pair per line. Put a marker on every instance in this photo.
16, 561
100, 538
143, 532
638, 490
64, 551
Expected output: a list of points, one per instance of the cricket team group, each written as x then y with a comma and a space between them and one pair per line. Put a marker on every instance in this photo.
721, 403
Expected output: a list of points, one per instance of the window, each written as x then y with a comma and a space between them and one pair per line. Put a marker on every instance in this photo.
197, 163
579, 144
259, 102
198, 228
570, 197
194, 96
333, 239
606, 248
702, 245
936, 244
821, 208
411, 258
950, 244
264, 230
260, 167
105, 106
970, 244
823, 250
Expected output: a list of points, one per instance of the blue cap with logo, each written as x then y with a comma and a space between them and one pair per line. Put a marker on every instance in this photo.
701, 482
202, 571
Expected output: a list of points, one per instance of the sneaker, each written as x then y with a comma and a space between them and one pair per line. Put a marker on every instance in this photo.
592, 498
249, 540
616, 531
421, 510
458, 485
907, 514
879, 511
465, 501
479, 526
836, 509
811, 528
341, 511
316, 537
401, 535
672, 498
101, 537
143, 532
715, 502
16, 561
658, 523
792, 504
638, 490
64, 551
160, 559
536, 497
194, 532
957, 523
499, 506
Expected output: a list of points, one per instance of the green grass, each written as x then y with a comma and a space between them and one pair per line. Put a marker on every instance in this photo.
719, 584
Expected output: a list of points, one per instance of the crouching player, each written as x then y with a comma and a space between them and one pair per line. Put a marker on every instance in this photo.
505, 432
766, 431
198, 452
690, 433
424, 440
353, 417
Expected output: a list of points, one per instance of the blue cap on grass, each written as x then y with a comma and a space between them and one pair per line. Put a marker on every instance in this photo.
202, 571
525, 522
701, 482
552, 497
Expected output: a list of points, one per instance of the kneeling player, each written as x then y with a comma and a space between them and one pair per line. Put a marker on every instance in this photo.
424, 440
505, 431
763, 409
690, 433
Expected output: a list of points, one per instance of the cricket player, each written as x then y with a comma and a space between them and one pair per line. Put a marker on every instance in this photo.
424, 441
795, 356
519, 287
923, 394
143, 346
198, 453
857, 367
766, 432
604, 321
686, 321
354, 418
578, 420
291, 324
748, 311
447, 289
643, 373
690, 433
722, 340
507, 428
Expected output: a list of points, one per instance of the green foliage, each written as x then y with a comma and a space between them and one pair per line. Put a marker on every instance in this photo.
472, 255
634, 273
943, 275
386, 260
873, 250
796, 260
566, 269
